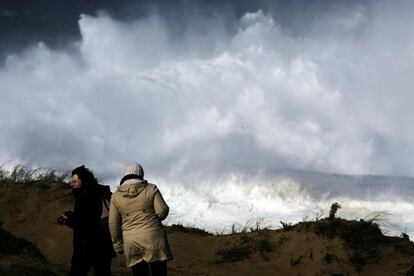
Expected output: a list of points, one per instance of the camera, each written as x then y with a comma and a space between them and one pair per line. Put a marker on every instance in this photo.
61, 220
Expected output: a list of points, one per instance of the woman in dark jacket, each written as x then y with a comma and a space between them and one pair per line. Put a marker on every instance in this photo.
92, 245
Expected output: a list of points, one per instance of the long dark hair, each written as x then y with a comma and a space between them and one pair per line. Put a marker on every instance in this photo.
86, 176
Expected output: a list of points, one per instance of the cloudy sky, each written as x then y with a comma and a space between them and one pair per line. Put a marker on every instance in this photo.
320, 86
195, 90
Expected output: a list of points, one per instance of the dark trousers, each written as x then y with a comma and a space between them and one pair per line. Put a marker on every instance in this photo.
81, 266
143, 268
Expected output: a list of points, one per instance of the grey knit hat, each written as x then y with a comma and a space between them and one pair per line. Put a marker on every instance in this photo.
135, 169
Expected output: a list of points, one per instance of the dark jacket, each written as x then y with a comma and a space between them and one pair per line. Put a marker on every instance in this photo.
91, 238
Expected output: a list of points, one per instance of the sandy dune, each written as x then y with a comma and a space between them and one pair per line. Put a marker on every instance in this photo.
315, 248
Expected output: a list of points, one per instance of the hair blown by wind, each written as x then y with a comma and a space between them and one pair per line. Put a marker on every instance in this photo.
86, 176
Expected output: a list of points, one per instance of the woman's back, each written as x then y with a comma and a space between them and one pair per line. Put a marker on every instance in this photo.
139, 206
137, 209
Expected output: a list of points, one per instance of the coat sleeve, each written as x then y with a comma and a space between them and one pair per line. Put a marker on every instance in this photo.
161, 208
85, 215
115, 227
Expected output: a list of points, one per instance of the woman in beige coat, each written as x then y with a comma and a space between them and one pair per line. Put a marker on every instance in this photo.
135, 214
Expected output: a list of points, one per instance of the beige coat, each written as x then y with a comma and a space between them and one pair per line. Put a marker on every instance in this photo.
135, 215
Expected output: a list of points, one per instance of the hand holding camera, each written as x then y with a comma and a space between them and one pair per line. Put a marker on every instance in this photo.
62, 219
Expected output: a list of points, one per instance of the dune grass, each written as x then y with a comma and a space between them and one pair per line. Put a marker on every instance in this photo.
186, 229
243, 247
22, 175
364, 237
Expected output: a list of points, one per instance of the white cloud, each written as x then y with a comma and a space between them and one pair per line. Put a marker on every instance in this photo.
334, 95
131, 92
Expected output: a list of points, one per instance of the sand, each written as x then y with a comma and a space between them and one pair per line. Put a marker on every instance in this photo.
30, 210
